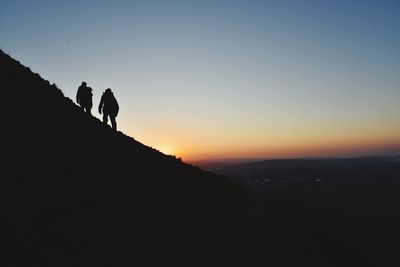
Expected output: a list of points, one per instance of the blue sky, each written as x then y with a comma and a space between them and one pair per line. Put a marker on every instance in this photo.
205, 79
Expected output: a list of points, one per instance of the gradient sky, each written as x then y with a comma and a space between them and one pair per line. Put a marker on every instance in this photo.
226, 79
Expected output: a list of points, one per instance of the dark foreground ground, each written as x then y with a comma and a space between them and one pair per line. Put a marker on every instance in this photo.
75, 193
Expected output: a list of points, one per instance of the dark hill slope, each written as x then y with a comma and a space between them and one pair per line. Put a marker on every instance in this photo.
76, 193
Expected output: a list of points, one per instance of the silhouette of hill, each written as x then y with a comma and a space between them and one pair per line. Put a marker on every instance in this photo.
76, 193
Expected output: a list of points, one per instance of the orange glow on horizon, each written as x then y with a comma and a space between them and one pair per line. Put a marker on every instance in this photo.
303, 150
192, 151
190, 140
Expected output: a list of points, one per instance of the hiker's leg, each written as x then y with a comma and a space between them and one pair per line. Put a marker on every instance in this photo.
89, 107
105, 117
113, 122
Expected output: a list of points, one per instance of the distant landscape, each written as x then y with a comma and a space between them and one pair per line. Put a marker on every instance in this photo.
261, 175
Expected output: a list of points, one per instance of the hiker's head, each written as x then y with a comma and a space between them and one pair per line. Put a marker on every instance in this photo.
83, 83
108, 91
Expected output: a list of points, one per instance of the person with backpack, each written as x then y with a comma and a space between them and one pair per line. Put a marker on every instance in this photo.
84, 97
109, 106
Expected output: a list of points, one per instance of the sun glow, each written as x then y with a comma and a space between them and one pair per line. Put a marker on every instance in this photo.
167, 149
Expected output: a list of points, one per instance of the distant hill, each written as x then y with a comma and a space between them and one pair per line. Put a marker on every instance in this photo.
76, 193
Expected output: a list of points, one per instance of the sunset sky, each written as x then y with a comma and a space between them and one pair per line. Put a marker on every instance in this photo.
225, 79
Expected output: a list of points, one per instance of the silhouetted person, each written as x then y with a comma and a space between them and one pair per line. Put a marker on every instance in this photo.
84, 97
110, 108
